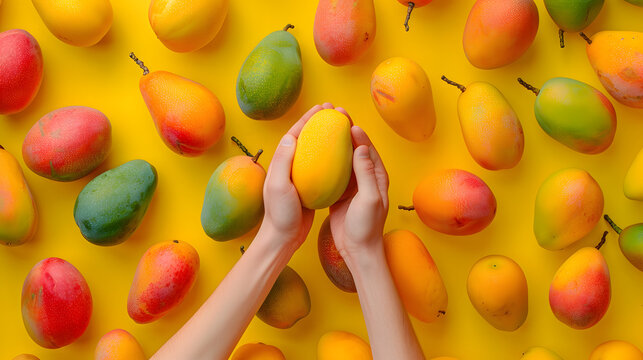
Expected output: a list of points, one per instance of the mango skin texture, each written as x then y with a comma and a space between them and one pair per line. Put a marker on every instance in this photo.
56, 303
402, 95
21, 70
616, 350
416, 276
18, 212
342, 345
569, 203
633, 182
76, 22
617, 58
573, 15
287, 302
323, 161
630, 240
164, 275
184, 28
540, 353
499, 32
497, 288
580, 293
332, 261
68, 143
118, 344
233, 203
576, 115
491, 129
258, 352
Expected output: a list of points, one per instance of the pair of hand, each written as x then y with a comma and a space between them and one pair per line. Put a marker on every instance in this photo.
357, 219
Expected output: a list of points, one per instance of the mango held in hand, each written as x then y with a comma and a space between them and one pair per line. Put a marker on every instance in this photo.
630, 240
21, 75
270, 78
490, 127
499, 32
112, 205
323, 161
416, 276
184, 27
497, 288
575, 114
258, 352
580, 293
402, 95
18, 214
56, 303
573, 15
164, 275
342, 345
633, 183
76, 22
118, 344
539, 353
68, 143
287, 302
332, 261
616, 350
569, 203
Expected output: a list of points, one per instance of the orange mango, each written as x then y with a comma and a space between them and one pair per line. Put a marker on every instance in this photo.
118, 344
616, 350
342, 345
18, 214
258, 351
25, 357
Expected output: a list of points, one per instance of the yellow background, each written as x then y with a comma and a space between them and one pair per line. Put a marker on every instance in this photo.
105, 78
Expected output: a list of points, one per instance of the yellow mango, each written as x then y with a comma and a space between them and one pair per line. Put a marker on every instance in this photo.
257, 351
18, 215
323, 159
616, 350
539, 353
76, 22
25, 356
342, 345
633, 184
118, 344
187, 26
402, 95
444, 358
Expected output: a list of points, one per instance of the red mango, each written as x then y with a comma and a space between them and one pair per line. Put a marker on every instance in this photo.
20, 70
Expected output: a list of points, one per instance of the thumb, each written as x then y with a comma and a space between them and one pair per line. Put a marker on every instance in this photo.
365, 172
281, 164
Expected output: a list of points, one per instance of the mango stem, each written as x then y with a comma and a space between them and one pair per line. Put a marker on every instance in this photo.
407, 208
598, 247
589, 41
256, 157
139, 63
289, 26
1, 147
408, 15
243, 249
561, 35
461, 87
243, 148
529, 87
612, 224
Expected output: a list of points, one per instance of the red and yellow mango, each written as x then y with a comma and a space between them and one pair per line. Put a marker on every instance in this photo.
118, 344
332, 261
18, 214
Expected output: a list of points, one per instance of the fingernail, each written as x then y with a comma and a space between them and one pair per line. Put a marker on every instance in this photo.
287, 140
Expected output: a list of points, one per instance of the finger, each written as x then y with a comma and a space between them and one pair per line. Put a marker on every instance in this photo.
327, 105
343, 111
351, 189
295, 130
281, 164
360, 138
365, 173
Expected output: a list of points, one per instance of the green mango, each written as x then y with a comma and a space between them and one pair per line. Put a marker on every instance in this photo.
287, 302
630, 241
573, 15
110, 207
270, 79
635, 2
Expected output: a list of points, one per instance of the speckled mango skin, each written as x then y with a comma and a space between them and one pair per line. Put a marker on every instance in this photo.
258, 352
580, 293
490, 127
633, 182
332, 261
416, 276
164, 275
576, 115
499, 32
616, 350
569, 203
573, 15
402, 95
56, 303
76, 22
111, 206
18, 213
287, 302
342, 345
617, 58
118, 344
233, 203
540, 353
68, 143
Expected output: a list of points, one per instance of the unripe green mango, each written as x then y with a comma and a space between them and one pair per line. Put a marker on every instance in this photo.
270, 79
287, 302
630, 240
112, 205
573, 15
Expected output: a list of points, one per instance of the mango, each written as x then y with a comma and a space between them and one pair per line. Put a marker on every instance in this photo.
270, 78
497, 288
344, 30
68, 143
182, 27
323, 161
580, 293
539, 353
332, 261
164, 275
258, 352
402, 95
569, 203
573, 15
630, 240
111, 206
76, 22
56, 303
416, 276
18, 213
21, 63
616, 350
490, 127
342, 345
118, 344
410, 6
25, 357
454, 202
633, 183
616, 58
635, 2
499, 32
287, 302
444, 358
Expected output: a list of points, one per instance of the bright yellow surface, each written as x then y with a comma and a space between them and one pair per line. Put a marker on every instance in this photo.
104, 77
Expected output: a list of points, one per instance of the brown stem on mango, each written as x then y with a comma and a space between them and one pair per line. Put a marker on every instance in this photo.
561, 35
240, 145
289, 26
612, 224
175, 241
1, 147
529, 87
407, 208
243, 249
139, 63
461, 87
408, 15
589, 41
256, 157
598, 247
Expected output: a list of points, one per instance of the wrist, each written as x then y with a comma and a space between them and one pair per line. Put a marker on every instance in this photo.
366, 257
273, 239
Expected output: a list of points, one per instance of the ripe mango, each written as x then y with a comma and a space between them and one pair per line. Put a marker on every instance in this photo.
332, 261
569, 203
402, 95
21, 75
573, 15
499, 32
184, 27
539, 353
25, 357
630, 240
164, 275
342, 345
616, 350
257, 352
287, 302
76, 22
444, 358
416, 276
118, 344
497, 288
18, 213
112, 205
633, 183
323, 161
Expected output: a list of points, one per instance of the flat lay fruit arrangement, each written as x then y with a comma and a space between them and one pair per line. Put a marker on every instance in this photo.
135, 138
